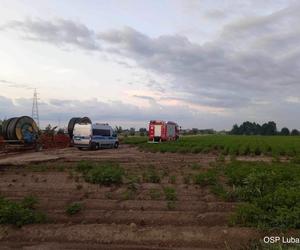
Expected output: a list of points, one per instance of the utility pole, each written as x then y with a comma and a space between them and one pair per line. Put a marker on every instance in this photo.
35, 109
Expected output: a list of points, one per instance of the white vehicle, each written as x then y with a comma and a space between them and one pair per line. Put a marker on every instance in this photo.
94, 136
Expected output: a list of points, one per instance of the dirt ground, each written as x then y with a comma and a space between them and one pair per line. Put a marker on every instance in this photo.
110, 218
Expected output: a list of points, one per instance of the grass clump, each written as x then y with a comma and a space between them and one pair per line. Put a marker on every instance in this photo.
269, 192
84, 166
101, 173
171, 205
195, 166
151, 175
73, 208
206, 178
172, 179
170, 194
20, 213
155, 194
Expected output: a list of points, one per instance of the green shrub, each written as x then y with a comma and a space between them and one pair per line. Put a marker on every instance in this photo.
206, 178
84, 166
73, 208
270, 192
170, 194
171, 205
105, 174
20, 213
151, 175
219, 190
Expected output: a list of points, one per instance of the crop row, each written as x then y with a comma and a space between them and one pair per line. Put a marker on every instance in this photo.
225, 144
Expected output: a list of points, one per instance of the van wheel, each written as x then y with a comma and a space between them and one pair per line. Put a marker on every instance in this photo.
97, 147
80, 148
116, 145
93, 146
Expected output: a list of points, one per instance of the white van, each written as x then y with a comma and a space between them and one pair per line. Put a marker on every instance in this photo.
94, 136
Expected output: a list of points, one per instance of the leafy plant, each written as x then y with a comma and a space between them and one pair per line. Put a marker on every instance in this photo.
20, 213
105, 174
101, 173
206, 178
270, 193
170, 194
151, 175
73, 208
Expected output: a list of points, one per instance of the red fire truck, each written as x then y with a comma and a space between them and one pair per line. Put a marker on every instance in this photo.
163, 131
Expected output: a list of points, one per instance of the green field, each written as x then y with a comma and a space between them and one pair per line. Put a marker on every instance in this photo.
225, 144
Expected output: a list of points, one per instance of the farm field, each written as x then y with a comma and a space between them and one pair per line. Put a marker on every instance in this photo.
133, 199
225, 144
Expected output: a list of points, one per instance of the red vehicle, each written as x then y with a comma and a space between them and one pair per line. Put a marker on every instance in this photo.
163, 131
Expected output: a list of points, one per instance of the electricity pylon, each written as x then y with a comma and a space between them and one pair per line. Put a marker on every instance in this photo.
35, 109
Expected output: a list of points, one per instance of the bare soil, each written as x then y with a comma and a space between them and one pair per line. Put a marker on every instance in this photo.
112, 217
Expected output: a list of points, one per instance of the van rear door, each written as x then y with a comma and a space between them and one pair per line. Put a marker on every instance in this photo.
82, 134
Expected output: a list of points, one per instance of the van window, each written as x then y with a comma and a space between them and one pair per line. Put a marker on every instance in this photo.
103, 132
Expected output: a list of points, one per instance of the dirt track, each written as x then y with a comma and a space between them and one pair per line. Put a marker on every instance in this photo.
108, 219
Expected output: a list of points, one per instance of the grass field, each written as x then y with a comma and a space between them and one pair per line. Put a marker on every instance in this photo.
225, 144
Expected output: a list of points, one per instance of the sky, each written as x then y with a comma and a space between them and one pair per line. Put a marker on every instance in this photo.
203, 64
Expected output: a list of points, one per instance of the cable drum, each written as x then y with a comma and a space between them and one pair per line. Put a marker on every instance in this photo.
85, 120
71, 125
5, 126
22, 128
74, 120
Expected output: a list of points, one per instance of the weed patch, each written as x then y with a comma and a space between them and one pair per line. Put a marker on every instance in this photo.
270, 193
20, 213
101, 173
151, 175
74, 208
206, 178
170, 194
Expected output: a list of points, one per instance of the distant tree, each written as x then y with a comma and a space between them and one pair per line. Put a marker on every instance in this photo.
295, 132
49, 130
118, 130
269, 128
143, 131
235, 130
61, 131
252, 128
285, 131
132, 131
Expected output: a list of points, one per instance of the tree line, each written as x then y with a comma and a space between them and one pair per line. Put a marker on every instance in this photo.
269, 128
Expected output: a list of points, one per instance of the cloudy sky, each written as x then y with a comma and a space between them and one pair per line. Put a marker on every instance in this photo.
205, 64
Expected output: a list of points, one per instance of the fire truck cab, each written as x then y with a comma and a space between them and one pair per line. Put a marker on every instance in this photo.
163, 131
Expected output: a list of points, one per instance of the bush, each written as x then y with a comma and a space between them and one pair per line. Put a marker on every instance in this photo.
105, 174
270, 192
151, 175
206, 178
170, 194
84, 166
73, 208
20, 213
